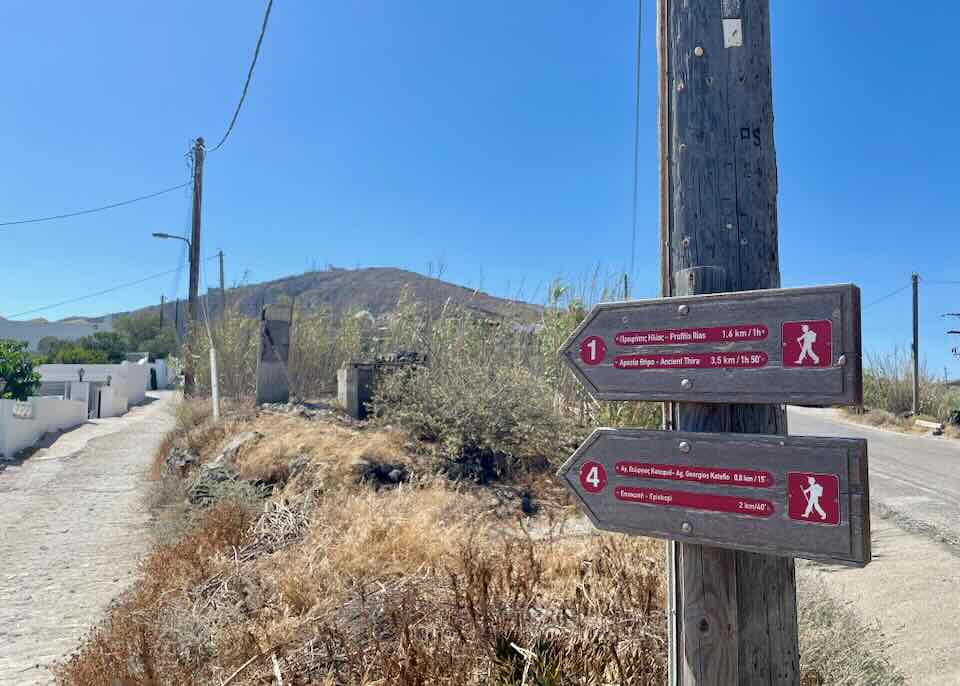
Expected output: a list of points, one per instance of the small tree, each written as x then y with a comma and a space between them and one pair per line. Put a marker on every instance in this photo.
18, 376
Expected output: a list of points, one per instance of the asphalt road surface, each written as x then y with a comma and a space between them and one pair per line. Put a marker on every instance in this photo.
912, 586
72, 527
914, 478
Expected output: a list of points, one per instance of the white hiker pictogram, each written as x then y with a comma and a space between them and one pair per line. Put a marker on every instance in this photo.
806, 341
813, 493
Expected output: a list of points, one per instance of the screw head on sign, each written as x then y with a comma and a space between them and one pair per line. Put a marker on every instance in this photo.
683, 310
686, 384
698, 51
842, 360
687, 527
684, 447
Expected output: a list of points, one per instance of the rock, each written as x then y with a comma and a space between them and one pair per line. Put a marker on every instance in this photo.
232, 449
379, 473
527, 506
218, 472
180, 461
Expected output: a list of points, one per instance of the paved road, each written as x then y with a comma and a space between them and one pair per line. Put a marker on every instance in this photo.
916, 477
912, 587
72, 527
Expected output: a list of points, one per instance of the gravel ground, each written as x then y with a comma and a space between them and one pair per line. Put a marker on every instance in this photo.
72, 528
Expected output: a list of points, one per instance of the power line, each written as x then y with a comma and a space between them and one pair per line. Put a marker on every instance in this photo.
94, 209
636, 141
888, 295
103, 292
246, 85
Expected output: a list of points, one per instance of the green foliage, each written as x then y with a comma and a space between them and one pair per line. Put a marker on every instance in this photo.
142, 333
76, 354
236, 338
888, 385
480, 396
133, 333
18, 376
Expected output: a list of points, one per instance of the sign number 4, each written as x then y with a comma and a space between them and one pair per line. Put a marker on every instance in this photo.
593, 477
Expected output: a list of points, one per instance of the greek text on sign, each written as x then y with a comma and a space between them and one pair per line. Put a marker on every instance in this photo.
798, 346
787, 495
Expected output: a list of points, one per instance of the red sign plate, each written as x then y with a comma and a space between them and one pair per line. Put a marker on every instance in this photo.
694, 501
807, 344
593, 350
735, 333
593, 477
813, 498
703, 475
718, 360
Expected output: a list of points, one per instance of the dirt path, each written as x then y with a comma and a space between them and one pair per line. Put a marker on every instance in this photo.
912, 588
71, 530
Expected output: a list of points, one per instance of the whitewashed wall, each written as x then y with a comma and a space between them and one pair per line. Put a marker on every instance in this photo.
23, 423
129, 380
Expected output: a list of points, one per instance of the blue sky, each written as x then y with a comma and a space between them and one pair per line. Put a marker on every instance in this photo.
492, 138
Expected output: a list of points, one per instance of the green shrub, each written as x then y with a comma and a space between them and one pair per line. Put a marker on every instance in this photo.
18, 375
77, 355
888, 385
478, 396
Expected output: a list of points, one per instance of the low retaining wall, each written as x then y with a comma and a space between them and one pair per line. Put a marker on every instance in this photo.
23, 423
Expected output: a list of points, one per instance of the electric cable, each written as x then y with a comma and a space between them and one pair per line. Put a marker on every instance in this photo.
246, 85
18, 222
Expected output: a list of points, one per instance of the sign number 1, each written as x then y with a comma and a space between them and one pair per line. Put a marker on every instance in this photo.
593, 477
593, 350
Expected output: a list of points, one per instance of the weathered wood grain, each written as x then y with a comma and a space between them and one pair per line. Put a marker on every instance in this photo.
845, 543
718, 171
838, 384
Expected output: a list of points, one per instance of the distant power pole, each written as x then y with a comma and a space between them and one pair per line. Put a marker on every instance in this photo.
162, 298
223, 290
732, 615
916, 347
198, 153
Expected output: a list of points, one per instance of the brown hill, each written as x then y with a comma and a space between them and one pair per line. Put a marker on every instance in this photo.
374, 289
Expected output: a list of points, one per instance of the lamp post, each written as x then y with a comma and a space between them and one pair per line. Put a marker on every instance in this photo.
192, 302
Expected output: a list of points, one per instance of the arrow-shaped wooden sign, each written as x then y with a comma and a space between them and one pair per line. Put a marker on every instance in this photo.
798, 346
784, 495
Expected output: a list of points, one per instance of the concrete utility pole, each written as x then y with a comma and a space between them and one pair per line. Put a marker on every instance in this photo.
916, 346
733, 615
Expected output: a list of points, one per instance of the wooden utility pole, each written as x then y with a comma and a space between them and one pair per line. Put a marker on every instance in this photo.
916, 346
733, 617
193, 307
223, 290
162, 298
198, 152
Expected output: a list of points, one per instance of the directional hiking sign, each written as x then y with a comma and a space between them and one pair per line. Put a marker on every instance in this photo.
796, 345
784, 495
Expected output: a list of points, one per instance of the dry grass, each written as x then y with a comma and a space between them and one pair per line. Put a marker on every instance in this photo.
837, 646
347, 584
425, 583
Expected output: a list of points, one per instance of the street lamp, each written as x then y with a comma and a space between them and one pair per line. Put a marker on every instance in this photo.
170, 235
188, 377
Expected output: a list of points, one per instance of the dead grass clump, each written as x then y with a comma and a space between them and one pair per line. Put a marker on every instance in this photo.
151, 636
836, 644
